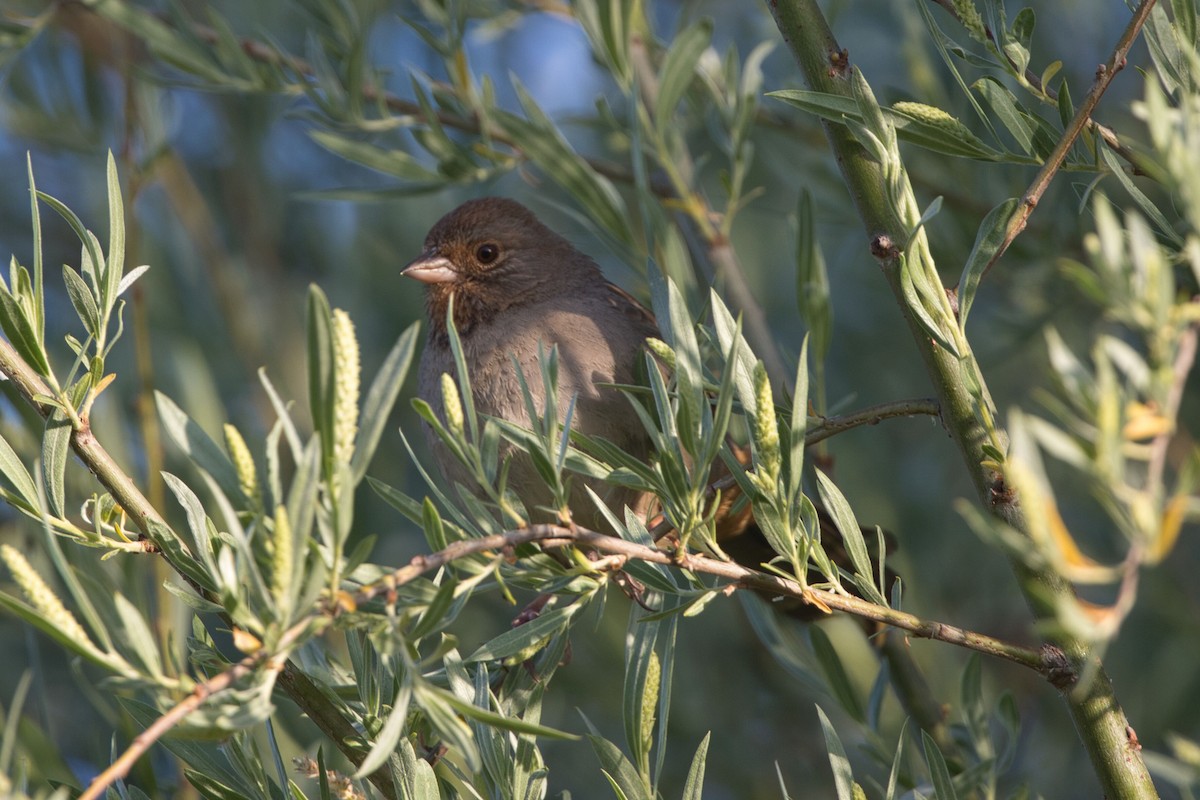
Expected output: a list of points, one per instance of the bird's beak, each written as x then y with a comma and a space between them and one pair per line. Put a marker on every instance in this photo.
430, 267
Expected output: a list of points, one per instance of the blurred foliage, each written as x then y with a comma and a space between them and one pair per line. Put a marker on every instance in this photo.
250, 152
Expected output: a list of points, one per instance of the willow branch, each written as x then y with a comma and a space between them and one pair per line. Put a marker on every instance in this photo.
1045, 663
1104, 77
134, 503
1103, 131
1099, 719
872, 415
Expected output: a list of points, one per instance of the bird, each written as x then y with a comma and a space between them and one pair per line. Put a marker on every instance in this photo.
518, 288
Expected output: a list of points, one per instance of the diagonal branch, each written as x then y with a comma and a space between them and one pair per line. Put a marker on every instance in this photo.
130, 498
1104, 76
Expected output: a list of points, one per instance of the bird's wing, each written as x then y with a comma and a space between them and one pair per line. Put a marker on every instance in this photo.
634, 311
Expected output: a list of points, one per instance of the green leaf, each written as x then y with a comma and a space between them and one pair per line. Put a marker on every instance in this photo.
678, 68
916, 304
389, 161
799, 424
894, 775
320, 369
835, 674
1144, 203
12, 468
21, 334
199, 447
493, 719
85, 236
688, 370
82, 300
943, 787
115, 264
542, 142
693, 789
138, 637
991, 235
39, 300
1005, 104
416, 778
389, 735
843, 517
619, 770
812, 279
843, 775
520, 639
381, 397
914, 130
56, 443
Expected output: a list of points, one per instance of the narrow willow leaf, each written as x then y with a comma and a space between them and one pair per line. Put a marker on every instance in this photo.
381, 397
415, 777
843, 775
897, 760
18, 477
388, 160
688, 371
137, 636
742, 364
843, 517
835, 673
85, 236
1008, 110
115, 263
913, 299
520, 639
639, 698
81, 298
799, 424
491, 718
56, 443
940, 138
546, 147
693, 789
21, 334
389, 735
39, 300
320, 369
1147, 205
622, 773
939, 774
812, 279
678, 68
199, 447
991, 235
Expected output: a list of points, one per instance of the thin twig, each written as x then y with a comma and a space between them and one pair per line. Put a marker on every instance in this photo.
873, 415
738, 575
1103, 131
1104, 76
130, 498
142, 742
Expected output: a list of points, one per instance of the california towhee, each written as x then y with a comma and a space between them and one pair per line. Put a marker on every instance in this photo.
517, 284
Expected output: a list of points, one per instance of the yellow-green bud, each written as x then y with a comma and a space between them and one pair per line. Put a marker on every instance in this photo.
663, 351
968, 15
346, 372
766, 429
281, 556
243, 462
43, 598
650, 698
936, 117
452, 404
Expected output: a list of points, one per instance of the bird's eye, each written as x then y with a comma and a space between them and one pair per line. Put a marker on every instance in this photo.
487, 253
